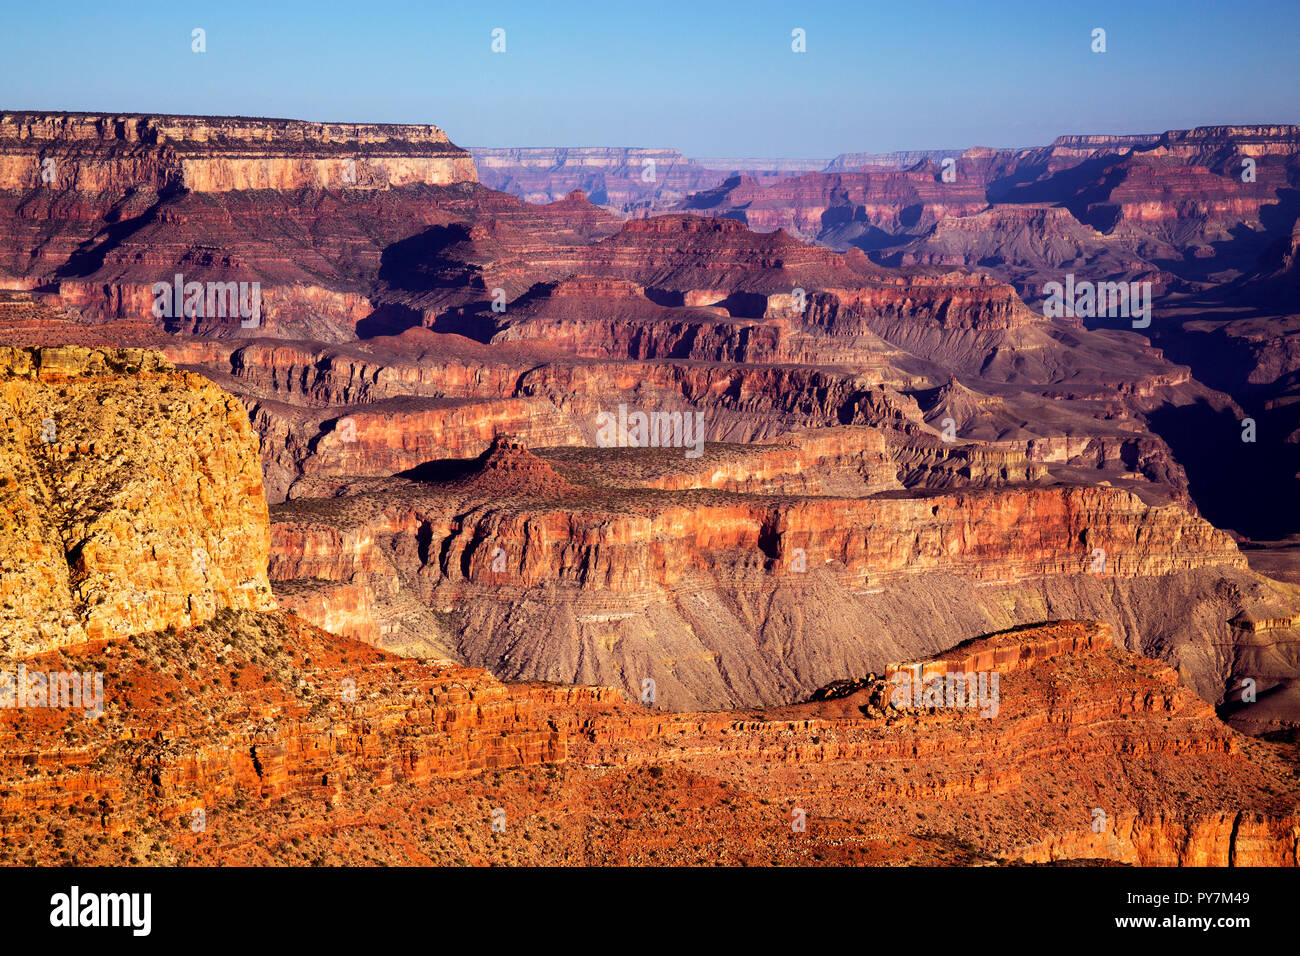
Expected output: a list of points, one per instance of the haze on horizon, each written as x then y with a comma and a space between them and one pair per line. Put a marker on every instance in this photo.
707, 79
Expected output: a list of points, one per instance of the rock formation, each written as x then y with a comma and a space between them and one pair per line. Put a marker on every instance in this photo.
624, 180
113, 527
618, 572
96, 153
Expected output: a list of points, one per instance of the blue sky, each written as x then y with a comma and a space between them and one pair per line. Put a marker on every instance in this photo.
711, 79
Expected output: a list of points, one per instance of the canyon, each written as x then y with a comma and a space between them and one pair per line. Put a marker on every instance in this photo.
254, 737
370, 556
1206, 217
638, 181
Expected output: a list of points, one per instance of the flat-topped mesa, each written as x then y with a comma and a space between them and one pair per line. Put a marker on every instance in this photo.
574, 157
94, 152
1013, 534
1259, 140
130, 498
1104, 142
899, 159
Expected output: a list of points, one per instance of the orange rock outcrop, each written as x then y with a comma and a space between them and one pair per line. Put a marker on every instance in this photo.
132, 498
258, 739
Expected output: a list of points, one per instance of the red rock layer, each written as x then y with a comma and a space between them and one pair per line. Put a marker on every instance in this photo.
256, 739
818, 205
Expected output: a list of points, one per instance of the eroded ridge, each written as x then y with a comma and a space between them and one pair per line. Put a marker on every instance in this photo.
256, 738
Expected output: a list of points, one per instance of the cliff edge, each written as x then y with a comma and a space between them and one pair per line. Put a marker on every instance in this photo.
130, 498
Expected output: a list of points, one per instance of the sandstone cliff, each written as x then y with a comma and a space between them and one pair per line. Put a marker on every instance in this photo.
95, 152
132, 498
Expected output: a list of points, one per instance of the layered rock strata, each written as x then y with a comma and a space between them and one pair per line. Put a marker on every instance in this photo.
94, 152
617, 575
257, 739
